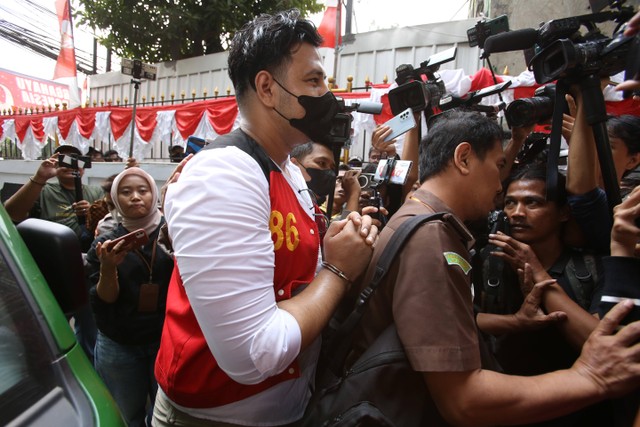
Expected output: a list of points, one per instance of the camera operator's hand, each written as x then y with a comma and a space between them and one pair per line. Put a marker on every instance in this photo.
132, 162
81, 208
372, 211
568, 120
633, 26
517, 254
378, 142
625, 233
610, 360
47, 169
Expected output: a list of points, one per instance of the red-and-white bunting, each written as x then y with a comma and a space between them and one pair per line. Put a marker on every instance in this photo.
173, 124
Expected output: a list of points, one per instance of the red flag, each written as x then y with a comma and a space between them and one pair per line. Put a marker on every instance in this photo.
327, 28
66, 65
65, 70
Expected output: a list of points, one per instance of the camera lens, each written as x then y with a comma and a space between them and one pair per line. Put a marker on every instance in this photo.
363, 180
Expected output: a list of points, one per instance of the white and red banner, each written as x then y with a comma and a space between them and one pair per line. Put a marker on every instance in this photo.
65, 71
173, 124
21, 91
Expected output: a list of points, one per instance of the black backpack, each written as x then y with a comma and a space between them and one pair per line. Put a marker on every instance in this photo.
380, 388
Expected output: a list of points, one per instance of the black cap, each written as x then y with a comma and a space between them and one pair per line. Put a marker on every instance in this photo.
68, 149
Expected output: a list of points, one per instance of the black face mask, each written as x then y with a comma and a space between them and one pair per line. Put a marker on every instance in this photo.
322, 181
319, 114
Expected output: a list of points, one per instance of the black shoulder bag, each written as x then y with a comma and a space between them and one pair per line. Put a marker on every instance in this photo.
380, 388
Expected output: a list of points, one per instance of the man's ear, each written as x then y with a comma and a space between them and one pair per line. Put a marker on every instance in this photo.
633, 162
264, 83
462, 157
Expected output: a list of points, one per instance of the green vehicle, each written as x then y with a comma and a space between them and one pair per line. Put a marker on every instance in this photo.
45, 377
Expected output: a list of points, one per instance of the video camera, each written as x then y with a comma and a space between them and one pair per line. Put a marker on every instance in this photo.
341, 124
472, 99
412, 92
486, 28
529, 111
73, 161
561, 51
389, 171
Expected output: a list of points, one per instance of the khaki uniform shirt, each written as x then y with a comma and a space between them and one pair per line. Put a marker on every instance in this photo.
427, 292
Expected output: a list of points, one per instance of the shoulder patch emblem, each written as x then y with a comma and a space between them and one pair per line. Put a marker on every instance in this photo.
456, 259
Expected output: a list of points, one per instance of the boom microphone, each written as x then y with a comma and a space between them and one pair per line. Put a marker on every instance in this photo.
368, 107
511, 40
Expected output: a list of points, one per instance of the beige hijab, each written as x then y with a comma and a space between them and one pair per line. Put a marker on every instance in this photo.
150, 222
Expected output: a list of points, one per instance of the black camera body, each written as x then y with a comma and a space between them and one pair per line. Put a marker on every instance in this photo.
412, 92
366, 180
485, 28
563, 52
535, 110
73, 161
340, 131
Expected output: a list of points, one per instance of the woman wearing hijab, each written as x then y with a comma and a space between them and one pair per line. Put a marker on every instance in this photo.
128, 296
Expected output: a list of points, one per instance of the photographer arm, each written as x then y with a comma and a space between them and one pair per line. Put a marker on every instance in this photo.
582, 164
518, 137
607, 368
410, 151
19, 205
352, 189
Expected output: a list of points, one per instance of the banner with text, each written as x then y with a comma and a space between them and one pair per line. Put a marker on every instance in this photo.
21, 91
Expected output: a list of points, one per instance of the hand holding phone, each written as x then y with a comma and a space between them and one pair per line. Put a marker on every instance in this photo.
400, 124
131, 241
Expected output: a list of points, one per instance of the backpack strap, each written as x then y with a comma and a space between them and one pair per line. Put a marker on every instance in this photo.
339, 346
244, 142
581, 273
581, 278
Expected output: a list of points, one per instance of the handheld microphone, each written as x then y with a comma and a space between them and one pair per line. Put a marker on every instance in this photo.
509, 41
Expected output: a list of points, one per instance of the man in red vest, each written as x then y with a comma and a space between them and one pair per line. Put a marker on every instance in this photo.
251, 290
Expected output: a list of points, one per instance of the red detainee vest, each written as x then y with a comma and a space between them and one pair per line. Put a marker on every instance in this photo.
185, 368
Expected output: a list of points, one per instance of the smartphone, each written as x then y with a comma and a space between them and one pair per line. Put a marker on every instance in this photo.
398, 173
195, 144
400, 124
135, 239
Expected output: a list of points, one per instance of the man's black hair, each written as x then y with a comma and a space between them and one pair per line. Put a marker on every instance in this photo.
301, 151
266, 43
452, 128
627, 128
537, 171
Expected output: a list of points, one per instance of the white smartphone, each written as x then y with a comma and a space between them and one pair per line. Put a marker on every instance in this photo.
399, 173
400, 124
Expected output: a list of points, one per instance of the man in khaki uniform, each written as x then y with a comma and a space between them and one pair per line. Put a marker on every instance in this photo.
428, 294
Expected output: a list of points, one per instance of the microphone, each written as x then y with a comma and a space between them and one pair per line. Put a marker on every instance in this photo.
512, 40
368, 107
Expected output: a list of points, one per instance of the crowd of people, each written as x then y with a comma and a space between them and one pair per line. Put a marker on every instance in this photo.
216, 318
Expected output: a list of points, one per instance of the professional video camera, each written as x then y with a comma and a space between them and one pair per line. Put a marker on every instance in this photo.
389, 171
486, 28
341, 124
565, 54
562, 51
412, 92
529, 111
471, 101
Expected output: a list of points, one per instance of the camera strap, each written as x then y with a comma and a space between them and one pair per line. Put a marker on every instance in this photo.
555, 141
